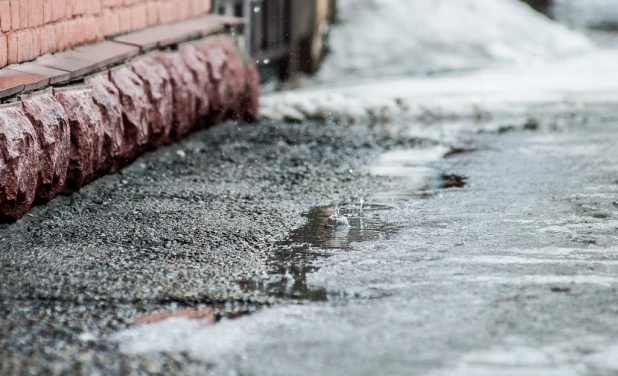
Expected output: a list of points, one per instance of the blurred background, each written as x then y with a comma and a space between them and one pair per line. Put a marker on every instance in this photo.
350, 38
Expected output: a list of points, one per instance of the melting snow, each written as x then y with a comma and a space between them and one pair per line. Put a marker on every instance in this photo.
391, 37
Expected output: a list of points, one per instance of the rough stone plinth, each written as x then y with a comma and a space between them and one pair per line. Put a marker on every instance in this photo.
234, 75
19, 162
86, 134
52, 128
216, 60
135, 106
107, 98
196, 62
250, 103
158, 85
184, 87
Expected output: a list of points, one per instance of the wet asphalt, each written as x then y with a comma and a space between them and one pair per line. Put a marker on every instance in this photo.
514, 273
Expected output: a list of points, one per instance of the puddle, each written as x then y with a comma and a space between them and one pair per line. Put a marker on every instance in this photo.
413, 175
295, 257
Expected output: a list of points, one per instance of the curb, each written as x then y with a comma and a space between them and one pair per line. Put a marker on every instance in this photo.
57, 140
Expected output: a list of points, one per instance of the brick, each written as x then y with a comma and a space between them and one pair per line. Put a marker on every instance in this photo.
199, 7
23, 14
24, 39
5, 15
35, 13
138, 17
35, 50
184, 9
94, 7
59, 10
111, 23
124, 19
15, 13
79, 7
19, 160
51, 125
13, 48
89, 29
73, 32
55, 76
4, 51
152, 13
108, 3
47, 11
68, 9
48, 39
166, 12
60, 38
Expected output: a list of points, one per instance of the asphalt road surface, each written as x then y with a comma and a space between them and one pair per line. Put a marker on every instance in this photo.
512, 273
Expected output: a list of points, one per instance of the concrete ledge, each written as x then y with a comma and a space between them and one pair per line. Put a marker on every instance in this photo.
56, 140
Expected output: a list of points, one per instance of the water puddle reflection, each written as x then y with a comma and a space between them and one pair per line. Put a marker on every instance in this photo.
295, 257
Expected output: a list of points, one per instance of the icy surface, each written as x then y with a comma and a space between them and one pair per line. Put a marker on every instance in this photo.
390, 37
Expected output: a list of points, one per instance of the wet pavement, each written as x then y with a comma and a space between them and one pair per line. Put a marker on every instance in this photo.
499, 259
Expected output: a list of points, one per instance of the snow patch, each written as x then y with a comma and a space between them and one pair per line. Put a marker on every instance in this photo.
391, 37
586, 13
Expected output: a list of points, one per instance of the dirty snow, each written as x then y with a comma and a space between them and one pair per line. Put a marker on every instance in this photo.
497, 92
392, 37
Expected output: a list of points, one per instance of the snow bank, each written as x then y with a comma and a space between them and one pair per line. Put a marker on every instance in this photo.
586, 13
389, 37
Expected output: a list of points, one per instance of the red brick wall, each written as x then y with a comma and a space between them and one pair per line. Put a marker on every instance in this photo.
30, 28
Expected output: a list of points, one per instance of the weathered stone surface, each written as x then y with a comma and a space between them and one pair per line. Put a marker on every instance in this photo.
52, 128
19, 162
216, 60
185, 89
86, 134
234, 74
158, 84
250, 104
135, 105
227, 74
196, 62
107, 99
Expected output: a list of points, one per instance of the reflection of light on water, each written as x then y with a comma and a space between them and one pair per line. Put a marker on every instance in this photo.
411, 167
295, 257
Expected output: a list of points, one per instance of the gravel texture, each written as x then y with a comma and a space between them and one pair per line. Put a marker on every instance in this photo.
179, 227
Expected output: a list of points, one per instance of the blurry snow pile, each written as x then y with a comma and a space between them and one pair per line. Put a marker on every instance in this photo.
587, 13
522, 52
390, 37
